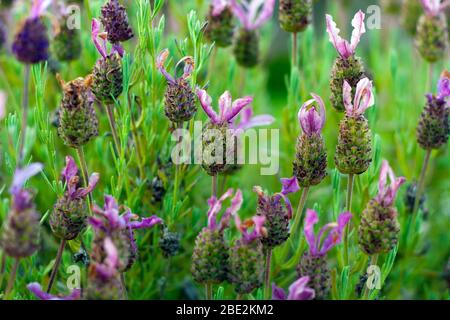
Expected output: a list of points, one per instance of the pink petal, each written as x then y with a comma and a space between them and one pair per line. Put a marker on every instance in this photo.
335, 235
358, 29
225, 102
278, 293
257, 121
215, 205
290, 185
347, 98
36, 289
160, 61
310, 220
39, 7
145, 223
205, 102
22, 175
218, 6
299, 291
237, 106
342, 46
236, 204
265, 15
364, 97
310, 119
94, 34
239, 12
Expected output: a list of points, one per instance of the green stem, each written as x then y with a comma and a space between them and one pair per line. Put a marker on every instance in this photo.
137, 141
429, 77
112, 124
177, 174
299, 212
12, 278
348, 206
208, 291
25, 102
124, 286
294, 50
85, 172
267, 274
56, 265
420, 186
373, 262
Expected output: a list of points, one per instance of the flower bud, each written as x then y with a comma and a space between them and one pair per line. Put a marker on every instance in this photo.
432, 37
295, 15
220, 26
246, 48
66, 45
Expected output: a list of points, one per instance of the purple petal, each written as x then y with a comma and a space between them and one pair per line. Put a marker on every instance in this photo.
225, 102
237, 106
278, 293
290, 185
39, 7
265, 15
70, 170
205, 102
358, 29
310, 220
444, 85
287, 203
160, 61
117, 47
387, 193
218, 6
94, 34
434, 7
188, 67
347, 98
342, 46
215, 205
236, 204
299, 291
240, 13
22, 175
36, 289
310, 119
145, 223
257, 121
364, 97
335, 235
83, 192
112, 256
96, 223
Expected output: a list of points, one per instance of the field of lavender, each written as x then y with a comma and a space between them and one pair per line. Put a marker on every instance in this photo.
123, 124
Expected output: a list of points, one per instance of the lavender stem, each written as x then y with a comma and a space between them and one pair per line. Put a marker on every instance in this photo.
25, 102
56, 265
112, 124
348, 206
267, 274
12, 278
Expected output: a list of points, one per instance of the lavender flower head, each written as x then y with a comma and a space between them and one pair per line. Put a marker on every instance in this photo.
115, 20
253, 13
228, 109
251, 229
329, 236
31, 43
187, 71
36, 289
434, 7
311, 120
387, 192
215, 205
364, 98
72, 180
344, 48
298, 290
22, 198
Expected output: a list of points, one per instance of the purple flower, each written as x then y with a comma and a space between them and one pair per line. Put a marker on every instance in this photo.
21, 197
387, 193
434, 7
257, 223
228, 108
290, 185
3, 98
320, 245
343, 47
218, 6
110, 219
36, 289
298, 290
444, 86
71, 178
247, 120
108, 268
364, 98
101, 44
310, 119
187, 71
215, 205
253, 13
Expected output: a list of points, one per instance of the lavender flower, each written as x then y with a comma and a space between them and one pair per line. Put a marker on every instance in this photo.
379, 228
120, 228
218, 128
354, 149
313, 262
433, 128
298, 290
115, 21
31, 43
344, 48
179, 99
220, 26
252, 14
432, 31
20, 236
36, 289
347, 66
310, 164
210, 255
69, 214
276, 213
107, 76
